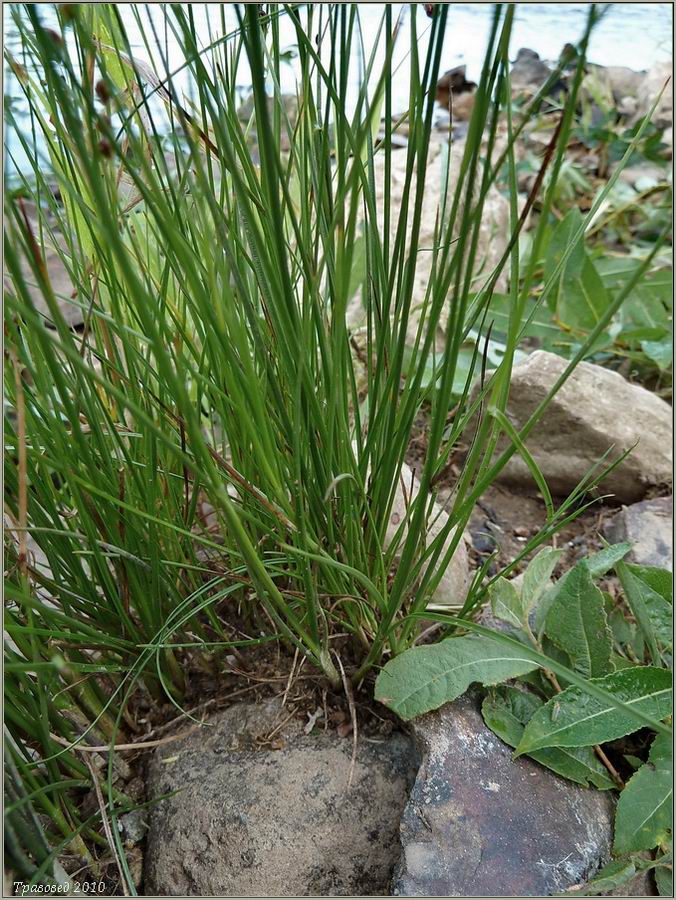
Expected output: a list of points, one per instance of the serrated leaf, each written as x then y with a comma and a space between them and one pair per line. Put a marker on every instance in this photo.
576, 623
621, 662
536, 577
508, 711
643, 817
505, 602
574, 718
424, 678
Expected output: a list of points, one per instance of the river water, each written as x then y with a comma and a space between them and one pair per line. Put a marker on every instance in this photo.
630, 34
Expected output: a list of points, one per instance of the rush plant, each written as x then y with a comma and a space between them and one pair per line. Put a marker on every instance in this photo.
214, 255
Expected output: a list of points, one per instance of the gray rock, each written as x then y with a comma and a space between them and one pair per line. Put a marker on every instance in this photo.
480, 824
529, 73
455, 582
649, 527
253, 821
134, 825
658, 77
614, 82
595, 410
623, 81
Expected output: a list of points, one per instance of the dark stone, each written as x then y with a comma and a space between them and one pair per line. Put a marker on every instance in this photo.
529, 73
482, 539
649, 527
481, 824
252, 821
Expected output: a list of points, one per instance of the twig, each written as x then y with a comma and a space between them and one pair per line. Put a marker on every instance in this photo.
353, 716
615, 775
106, 826
202, 707
288, 683
278, 728
427, 632
106, 748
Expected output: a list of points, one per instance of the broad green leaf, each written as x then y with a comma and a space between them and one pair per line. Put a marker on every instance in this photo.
575, 718
598, 564
582, 297
661, 352
660, 613
621, 662
541, 324
425, 678
536, 577
664, 879
505, 602
603, 561
576, 623
559, 243
643, 818
433, 366
623, 631
612, 876
660, 580
590, 687
507, 712
640, 596
649, 305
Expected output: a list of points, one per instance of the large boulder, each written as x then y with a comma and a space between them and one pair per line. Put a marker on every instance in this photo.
596, 409
249, 820
479, 824
649, 527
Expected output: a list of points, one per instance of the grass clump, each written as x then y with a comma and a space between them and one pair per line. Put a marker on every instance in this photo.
214, 256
